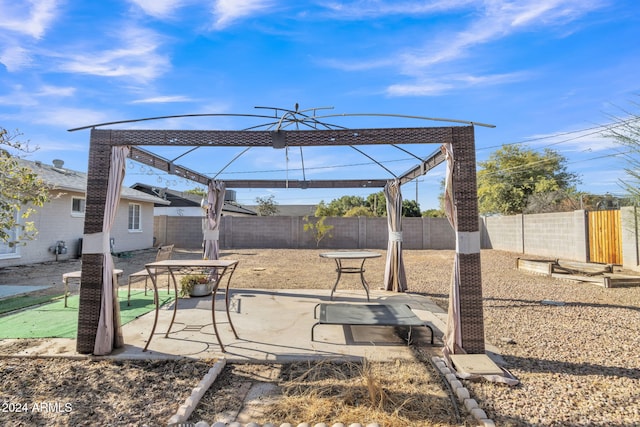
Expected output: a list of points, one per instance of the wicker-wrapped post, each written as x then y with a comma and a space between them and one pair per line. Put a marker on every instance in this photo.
465, 196
91, 288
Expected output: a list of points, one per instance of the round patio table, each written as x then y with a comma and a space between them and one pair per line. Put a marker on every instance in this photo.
340, 256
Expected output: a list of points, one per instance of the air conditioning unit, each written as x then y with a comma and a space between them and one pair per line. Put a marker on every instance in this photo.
230, 196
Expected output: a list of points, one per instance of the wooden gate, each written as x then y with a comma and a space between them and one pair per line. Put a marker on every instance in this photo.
605, 237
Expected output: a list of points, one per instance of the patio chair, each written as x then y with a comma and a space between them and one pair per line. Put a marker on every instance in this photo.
77, 275
164, 253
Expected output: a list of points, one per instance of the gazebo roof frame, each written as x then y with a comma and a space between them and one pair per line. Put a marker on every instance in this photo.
277, 137
153, 160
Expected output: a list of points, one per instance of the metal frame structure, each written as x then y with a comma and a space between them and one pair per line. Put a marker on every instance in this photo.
316, 133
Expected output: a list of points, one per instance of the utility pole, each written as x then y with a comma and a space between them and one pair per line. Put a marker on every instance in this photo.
418, 180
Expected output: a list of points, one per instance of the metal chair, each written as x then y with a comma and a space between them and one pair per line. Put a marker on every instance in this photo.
164, 253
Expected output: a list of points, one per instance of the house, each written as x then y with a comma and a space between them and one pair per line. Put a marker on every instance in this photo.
181, 223
60, 222
188, 204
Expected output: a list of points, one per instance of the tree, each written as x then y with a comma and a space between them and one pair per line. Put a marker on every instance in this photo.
324, 210
338, 207
267, 205
359, 211
198, 191
433, 213
626, 132
374, 205
410, 208
552, 201
377, 203
512, 174
318, 229
20, 191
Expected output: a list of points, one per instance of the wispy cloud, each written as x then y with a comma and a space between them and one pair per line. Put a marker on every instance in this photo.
67, 117
23, 23
158, 8
589, 140
46, 145
28, 17
15, 58
367, 9
227, 11
361, 65
488, 22
162, 100
442, 84
137, 58
57, 91
422, 88
20, 96
497, 20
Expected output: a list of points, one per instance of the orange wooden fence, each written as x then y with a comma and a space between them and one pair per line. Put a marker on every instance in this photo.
605, 237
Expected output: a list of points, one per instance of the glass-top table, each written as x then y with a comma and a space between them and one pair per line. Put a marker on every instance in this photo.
222, 268
340, 256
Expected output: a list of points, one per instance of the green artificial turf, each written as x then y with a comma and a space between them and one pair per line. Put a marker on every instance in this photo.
53, 320
22, 301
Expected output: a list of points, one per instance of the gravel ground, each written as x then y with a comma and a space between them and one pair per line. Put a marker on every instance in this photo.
578, 363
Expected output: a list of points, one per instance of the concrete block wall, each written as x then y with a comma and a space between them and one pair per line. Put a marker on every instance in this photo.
288, 232
438, 234
181, 231
375, 232
554, 235
503, 233
557, 235
345, 233
630, 238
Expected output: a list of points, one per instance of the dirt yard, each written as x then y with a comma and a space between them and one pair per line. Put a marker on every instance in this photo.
577, 361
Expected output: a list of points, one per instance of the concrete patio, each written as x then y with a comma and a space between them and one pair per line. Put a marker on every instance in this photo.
272, 325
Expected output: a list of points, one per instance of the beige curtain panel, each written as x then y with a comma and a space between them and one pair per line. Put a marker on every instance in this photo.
215, 201
109, 333
395, 278
453, 336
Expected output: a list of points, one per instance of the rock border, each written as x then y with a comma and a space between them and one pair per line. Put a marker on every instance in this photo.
462, 393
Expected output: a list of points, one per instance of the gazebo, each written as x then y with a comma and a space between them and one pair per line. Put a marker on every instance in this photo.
99, 320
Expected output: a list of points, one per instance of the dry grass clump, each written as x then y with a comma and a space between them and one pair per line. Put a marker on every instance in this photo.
392, 393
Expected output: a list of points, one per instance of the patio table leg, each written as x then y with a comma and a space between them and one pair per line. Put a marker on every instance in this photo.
175, 305
365, 285
339, 270
227, 302
157, 312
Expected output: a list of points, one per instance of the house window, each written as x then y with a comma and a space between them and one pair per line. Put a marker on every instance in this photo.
7, 250
77, 206
134, 217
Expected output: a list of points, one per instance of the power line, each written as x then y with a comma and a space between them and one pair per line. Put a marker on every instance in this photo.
599, 127
350, 165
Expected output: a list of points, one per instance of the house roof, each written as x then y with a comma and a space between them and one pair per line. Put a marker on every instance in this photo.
291, 210
183, 199
60, 178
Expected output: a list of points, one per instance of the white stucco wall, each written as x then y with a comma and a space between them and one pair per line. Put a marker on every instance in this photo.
55, 222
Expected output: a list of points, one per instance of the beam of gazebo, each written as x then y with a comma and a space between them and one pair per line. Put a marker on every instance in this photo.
150, 159
278, 183
276, 139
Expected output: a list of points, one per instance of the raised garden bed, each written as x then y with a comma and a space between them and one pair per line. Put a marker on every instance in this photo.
599, 274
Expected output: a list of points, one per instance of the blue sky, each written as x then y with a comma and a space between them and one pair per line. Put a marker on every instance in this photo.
549, 72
